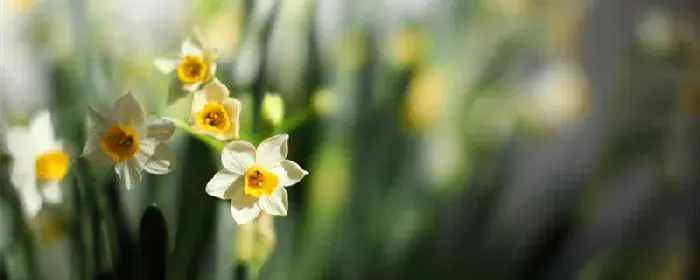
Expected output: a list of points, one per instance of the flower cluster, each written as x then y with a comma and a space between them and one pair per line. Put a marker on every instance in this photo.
121, 135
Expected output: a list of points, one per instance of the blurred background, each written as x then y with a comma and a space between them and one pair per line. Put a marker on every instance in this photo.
473, 139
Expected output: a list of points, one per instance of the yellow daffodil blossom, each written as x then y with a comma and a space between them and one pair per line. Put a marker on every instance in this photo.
255, 179
214, 112
194, 66
39, 163
123, 136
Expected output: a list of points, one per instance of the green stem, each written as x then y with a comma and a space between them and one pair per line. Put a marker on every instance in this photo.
292, 123
206, 139
254, 270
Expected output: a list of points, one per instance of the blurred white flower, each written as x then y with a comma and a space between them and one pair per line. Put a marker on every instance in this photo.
131, 26
23, 76
655, 32
122, 135
214, 112
557, 96
39, 163
255, 179
194, 66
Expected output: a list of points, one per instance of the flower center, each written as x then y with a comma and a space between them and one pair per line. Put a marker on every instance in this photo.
51, 166
259, 181
214, 117
120, 142
192, 69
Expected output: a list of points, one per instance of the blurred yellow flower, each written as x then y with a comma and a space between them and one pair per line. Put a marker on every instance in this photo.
123, 136
409, 46
17, 6
40, 163
424, 97
194, 66
273, 108
214, 113
255, 179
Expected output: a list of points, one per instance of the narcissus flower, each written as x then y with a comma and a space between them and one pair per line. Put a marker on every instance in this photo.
255, 179
40, 163
194, 66
214, 112
123, 136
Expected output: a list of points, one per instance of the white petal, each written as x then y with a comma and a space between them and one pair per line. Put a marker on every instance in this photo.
41, 130
244, 208
20, 145
272, 151
238, 156
216, 91
159, 129
31, 198
52, 193
199, 99
146, 149
190, 48
276, 203
127, 110
129, 173
212, 69
101, 118
199, 38
93, 151
233, 108
289, 173
191, 87
166, 65
162, 161
224, 184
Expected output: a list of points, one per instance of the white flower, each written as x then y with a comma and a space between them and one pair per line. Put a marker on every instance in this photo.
122, 135
256, 179
559, 96
40, 163
195, 65
214, 113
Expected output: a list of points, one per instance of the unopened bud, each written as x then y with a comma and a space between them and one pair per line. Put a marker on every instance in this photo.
273, 108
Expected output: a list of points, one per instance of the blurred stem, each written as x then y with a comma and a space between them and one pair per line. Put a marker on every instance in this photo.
213, 143
254, 270
21, 231
257, 121
292, 123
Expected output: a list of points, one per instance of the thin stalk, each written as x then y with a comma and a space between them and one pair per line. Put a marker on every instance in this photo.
213, 143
